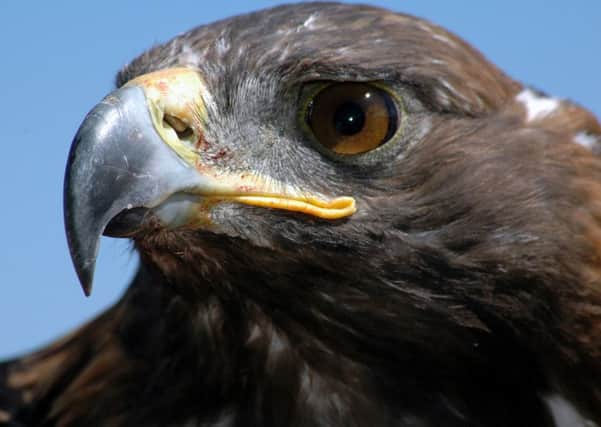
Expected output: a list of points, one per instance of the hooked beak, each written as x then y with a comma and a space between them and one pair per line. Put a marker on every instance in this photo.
127, 155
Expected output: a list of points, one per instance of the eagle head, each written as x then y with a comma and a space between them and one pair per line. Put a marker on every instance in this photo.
364, 200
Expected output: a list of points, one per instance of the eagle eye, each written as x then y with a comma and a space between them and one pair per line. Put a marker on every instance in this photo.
352, 118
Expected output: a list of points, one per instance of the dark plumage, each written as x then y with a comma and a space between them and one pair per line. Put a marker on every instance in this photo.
464, 291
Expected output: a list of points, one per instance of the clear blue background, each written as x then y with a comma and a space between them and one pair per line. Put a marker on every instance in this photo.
58, 59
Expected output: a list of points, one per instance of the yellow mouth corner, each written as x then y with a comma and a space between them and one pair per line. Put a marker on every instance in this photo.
266, 192
337, 208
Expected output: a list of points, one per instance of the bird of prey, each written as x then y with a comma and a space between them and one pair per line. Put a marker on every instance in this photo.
345, 217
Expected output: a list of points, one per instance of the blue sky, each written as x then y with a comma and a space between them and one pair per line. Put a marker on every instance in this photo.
59, 59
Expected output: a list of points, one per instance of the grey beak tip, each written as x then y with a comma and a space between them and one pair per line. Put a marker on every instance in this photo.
84, 265
85, 274
86, 284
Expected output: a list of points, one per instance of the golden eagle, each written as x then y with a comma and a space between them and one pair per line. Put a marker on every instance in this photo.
345, 217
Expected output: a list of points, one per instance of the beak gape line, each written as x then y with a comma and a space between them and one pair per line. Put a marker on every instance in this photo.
122, 158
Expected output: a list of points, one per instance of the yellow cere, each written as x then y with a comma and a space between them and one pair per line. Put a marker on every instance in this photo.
176, 95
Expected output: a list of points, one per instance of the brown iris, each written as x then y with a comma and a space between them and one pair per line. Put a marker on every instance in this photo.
352, 118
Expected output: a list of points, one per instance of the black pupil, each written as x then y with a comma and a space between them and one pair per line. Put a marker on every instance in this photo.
349, 118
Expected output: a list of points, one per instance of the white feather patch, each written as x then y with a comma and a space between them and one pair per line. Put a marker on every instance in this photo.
310, 21
188, 56
585, 139
223, 46
537, 107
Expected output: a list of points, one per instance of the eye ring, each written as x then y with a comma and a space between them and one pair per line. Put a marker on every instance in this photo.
349, 120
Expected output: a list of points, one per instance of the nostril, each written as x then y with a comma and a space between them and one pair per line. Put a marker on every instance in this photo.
186, 135
182, 130
175, 123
